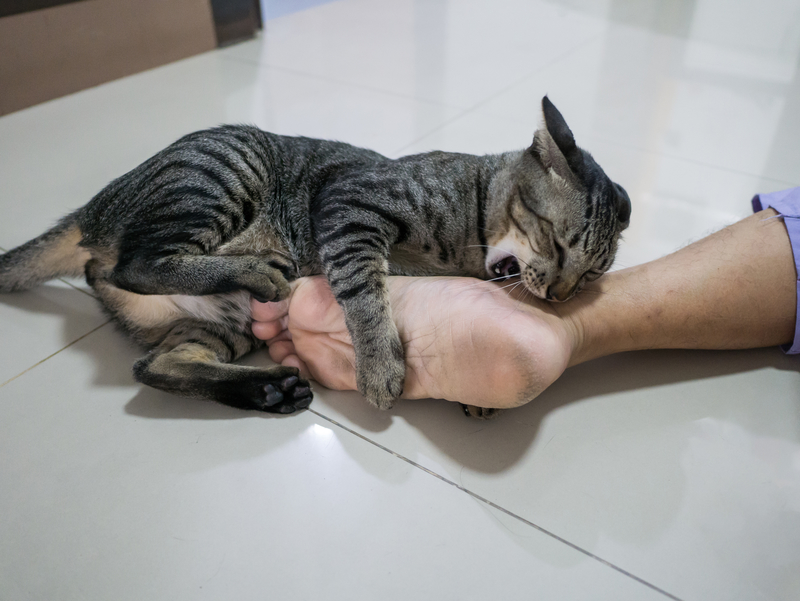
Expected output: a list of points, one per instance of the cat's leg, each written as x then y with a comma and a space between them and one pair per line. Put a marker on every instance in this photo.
354, 230
193, 361
358, 281
266, 277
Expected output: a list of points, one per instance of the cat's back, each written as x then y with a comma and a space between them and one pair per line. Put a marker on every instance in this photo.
223, 176
429, 181
213, 166
437, 173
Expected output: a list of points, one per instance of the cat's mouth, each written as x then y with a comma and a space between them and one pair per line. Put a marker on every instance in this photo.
507, 267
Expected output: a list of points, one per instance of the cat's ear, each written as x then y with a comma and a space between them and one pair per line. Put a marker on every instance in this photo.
554, 145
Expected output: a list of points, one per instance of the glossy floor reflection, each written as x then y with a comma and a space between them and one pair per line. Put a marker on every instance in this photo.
640, 476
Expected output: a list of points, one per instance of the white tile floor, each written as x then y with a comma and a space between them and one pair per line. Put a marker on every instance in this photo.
643, 476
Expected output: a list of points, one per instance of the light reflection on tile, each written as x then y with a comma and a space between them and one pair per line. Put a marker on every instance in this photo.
161, 495
649, 92
455, 53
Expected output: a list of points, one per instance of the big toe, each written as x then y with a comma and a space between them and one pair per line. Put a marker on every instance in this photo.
268, 311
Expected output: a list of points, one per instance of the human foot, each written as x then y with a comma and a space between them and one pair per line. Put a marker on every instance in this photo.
465, 340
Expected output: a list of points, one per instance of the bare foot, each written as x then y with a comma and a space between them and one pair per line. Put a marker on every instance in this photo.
465, 340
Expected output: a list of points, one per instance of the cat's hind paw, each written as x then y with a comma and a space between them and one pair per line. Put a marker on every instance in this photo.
285, 396
480, 412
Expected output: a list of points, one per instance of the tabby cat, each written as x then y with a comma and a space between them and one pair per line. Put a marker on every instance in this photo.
175, 248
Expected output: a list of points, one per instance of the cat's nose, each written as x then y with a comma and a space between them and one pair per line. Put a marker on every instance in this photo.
560, 291
623, 205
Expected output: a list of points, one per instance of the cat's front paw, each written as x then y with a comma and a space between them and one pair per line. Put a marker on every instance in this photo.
269, 285
480, 412
381, 381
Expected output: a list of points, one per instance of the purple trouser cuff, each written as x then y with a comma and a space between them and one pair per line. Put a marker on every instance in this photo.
787, 203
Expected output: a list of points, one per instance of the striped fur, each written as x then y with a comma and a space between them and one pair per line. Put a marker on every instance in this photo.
175, 247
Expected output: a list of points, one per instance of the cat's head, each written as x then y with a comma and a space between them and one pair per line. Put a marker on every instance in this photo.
557, 217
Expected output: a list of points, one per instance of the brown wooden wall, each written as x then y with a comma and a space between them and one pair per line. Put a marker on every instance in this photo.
58, 50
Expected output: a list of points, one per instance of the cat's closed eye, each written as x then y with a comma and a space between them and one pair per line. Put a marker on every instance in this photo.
559, 253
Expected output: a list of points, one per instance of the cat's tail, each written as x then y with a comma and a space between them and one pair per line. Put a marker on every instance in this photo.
55, 253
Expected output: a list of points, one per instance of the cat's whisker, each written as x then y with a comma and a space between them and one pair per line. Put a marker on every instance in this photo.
523, 295
512, 286
511, 290
516, 282
527, 294
500, 278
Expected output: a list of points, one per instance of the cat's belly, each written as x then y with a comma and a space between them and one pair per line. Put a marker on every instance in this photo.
155, 312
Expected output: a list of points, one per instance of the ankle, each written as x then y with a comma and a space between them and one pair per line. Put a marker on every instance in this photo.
575, 329
592, 321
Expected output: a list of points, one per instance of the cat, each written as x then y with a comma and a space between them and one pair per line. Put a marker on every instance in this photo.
175, 248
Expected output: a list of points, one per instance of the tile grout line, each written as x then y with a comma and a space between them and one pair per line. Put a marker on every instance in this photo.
478, 497
463, 113
481, 103
89, 294
257, 63
22, 373
463, 110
